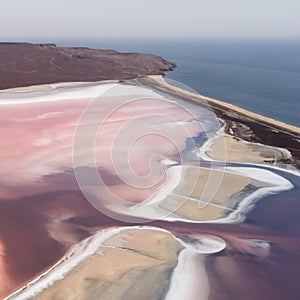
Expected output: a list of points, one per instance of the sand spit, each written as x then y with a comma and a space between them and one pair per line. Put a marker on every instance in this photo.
204, 195
119, 263
226, 202
122, 256
258, 118
227, 148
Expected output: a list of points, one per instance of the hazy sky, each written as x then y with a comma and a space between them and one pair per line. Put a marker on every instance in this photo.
152, 18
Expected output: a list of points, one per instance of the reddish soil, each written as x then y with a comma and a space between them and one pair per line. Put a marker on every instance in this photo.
24, 64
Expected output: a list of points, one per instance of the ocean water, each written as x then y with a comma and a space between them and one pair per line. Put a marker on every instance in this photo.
261, 76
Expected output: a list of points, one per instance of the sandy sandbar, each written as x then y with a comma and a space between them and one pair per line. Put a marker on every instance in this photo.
200, 98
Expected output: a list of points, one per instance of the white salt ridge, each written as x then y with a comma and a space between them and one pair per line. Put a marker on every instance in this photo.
150, 208
174, 176
286, 154
89, 247
168, 162
73, 258
189, 279
75, 91
277, 184
60, 95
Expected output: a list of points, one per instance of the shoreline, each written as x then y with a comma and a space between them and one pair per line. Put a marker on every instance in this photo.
54, 86
206, 152
81, 252
159, 79
89, 245
239, 123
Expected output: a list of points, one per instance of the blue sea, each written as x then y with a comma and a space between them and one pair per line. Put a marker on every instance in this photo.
262, 76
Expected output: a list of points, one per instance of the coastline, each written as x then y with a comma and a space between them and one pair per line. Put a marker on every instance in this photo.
239, 123
159, 81
84, 254
293, 130
241, 151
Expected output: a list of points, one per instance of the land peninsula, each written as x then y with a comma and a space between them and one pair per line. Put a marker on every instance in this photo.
25, 64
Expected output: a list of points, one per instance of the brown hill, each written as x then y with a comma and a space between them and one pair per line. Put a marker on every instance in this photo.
24, 64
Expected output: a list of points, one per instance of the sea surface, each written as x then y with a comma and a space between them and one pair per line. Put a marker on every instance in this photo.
258, 75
